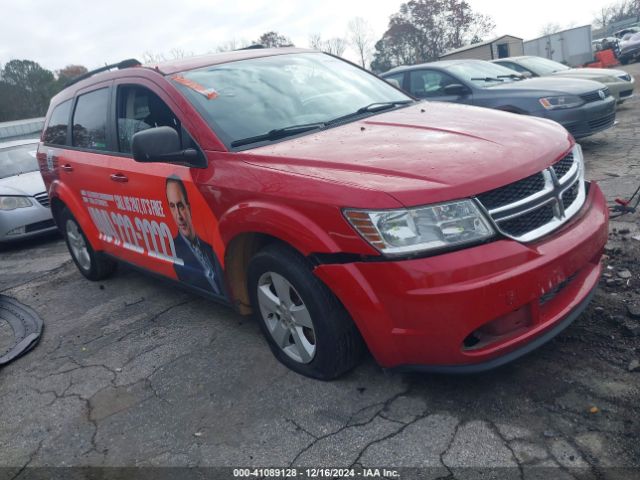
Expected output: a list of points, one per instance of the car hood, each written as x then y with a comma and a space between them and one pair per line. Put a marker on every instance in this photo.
551, 85
26, 184
596, 74
424, 153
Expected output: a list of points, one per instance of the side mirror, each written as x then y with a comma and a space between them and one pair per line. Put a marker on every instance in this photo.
393, 82
526, 74
161, 144
456, 89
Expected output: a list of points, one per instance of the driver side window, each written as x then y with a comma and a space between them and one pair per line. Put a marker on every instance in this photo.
140, 109
429, 83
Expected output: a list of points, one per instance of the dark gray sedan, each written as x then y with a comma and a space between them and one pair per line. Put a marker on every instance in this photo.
583, 107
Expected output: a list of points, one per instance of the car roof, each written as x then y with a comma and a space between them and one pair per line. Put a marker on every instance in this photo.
201, 61
18, 143
514, 59
438, 64
171, 67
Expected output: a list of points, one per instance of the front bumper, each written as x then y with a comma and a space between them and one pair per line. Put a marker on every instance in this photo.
26, 222
622, 90
423, 312
590, 118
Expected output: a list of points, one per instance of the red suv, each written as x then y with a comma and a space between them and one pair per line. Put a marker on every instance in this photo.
339, 211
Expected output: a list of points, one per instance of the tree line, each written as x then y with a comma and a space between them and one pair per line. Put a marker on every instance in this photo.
420, 31
26, 88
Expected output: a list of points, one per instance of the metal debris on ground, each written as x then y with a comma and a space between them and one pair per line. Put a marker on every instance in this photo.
26, 327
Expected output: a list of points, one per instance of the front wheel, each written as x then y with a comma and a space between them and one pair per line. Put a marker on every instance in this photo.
307, 328
91, 264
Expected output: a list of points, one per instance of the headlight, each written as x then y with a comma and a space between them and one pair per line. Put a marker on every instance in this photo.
626, 78
561, 101
397, 232
11, 203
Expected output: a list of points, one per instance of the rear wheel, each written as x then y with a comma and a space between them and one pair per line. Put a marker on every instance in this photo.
92, 264
307, 328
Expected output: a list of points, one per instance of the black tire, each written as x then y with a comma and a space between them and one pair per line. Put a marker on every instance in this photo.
624, 61
338, 346
98, 266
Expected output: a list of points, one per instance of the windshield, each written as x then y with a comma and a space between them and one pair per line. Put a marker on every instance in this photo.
248, 98
542, 66
16, 160
484, 74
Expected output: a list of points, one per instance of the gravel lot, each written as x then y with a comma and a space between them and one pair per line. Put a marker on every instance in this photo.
132, 372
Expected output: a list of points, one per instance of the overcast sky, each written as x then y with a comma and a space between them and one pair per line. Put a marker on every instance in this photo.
62, 32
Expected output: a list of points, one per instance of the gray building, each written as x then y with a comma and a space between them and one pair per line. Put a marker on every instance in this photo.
501, 47
17, 129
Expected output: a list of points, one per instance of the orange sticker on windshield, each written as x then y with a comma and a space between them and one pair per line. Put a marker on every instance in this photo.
209, 93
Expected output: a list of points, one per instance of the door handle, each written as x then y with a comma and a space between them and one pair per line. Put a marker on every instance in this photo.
67, 168
119, 177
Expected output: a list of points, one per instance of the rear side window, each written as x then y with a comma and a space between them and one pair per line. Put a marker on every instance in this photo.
90, 120
56, 131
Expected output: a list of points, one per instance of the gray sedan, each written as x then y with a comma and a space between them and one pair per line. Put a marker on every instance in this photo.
24, 203
583, 107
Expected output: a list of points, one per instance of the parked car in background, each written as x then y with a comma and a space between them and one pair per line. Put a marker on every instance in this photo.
620, 83
583, 107
24, 204
629, 49
626, 31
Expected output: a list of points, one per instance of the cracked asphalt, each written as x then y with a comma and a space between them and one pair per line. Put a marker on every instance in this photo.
131, 372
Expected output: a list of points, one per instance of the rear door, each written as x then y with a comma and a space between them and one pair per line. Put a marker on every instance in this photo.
83, 164
162, 215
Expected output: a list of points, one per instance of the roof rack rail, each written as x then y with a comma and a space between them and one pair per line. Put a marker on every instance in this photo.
130, 62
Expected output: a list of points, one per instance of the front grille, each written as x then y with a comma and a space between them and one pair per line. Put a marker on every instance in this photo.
603, 122
43, 199
569, 196
595, 96
512, 192
563, 166
626, 93
34, 227
528, 222
535, 206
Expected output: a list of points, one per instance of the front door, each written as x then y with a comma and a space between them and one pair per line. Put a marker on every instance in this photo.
165, 220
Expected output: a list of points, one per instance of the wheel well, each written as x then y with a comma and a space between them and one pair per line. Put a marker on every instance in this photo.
57, 206
237, 256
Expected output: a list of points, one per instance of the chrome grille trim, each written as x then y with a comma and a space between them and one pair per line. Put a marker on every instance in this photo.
552, 193
43, 199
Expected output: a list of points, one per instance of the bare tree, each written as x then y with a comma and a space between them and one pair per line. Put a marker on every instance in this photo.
233, 44
178, 53
151, 57
361, 38
335, 46
315, 41
550, 28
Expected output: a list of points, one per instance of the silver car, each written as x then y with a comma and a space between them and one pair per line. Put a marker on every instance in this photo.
24, 203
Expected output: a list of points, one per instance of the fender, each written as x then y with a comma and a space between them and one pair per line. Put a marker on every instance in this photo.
62, 192
277, 220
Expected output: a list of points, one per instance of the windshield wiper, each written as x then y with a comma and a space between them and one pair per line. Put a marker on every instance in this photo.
515, 76
488, 79
371, 108
278, 133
